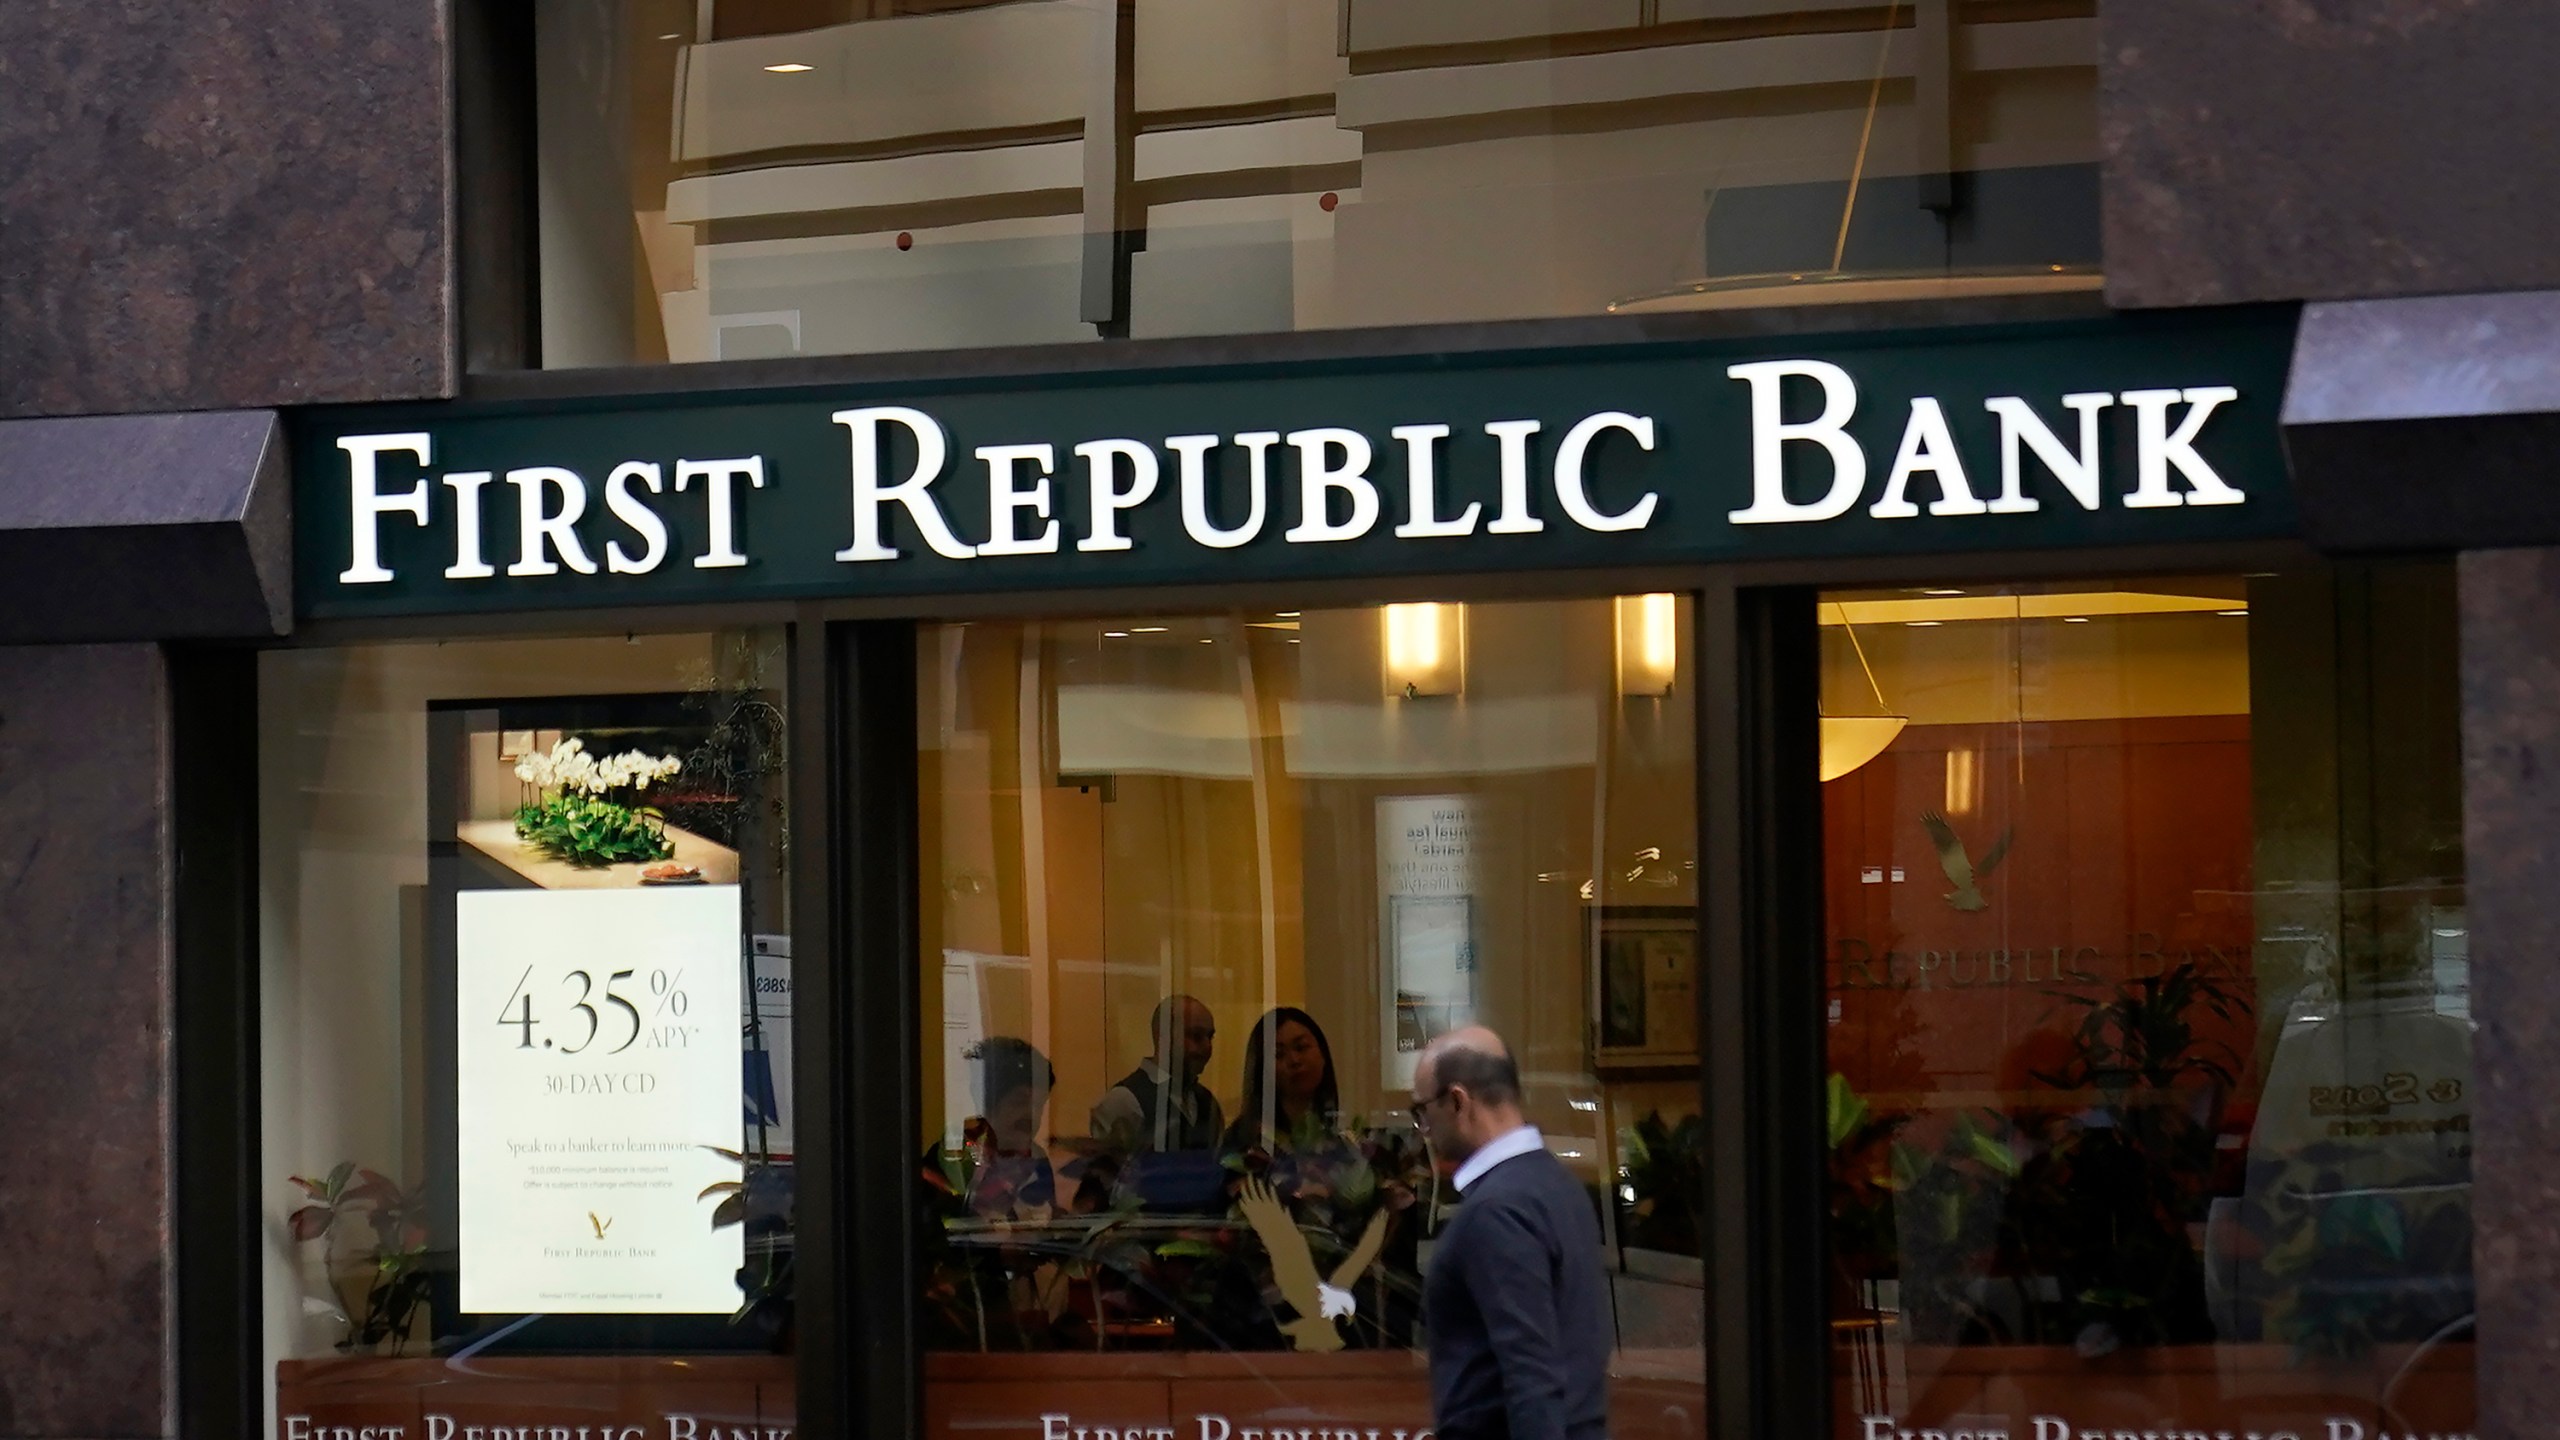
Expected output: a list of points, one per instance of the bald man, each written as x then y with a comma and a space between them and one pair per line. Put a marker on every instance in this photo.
1515, 1301
1162, 1105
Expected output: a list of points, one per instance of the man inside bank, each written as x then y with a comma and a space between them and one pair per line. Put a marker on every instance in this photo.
1163, 1119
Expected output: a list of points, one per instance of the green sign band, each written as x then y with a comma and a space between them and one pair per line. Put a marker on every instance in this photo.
2128, 430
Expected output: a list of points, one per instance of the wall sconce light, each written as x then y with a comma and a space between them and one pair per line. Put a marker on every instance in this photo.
1964, 782
1648, 643
1425, 649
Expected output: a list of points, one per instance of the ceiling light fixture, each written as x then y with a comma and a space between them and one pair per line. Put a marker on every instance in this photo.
788, 67
1849, 741
1149, 629
2021, 607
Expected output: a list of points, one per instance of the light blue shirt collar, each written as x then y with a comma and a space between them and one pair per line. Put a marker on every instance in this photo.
1504, 1147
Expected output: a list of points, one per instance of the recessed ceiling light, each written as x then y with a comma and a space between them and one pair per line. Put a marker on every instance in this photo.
1286, 614
1924, 624
1115, 634
1941, 592
671, 35
789, 67
1148, 629
2075, 619
1208, 642
2230, 612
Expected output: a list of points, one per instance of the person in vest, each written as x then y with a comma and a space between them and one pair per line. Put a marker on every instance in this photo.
1164, 1120
1162, 1105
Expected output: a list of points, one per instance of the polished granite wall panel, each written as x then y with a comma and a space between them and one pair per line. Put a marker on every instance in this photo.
2511, 835
85, 981
2327, 149
223, 204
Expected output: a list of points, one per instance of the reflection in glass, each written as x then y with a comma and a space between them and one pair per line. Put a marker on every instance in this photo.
741, 179
2149, 1032
1198, 888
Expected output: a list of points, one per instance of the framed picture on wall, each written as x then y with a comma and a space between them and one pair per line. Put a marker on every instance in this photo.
1643, 966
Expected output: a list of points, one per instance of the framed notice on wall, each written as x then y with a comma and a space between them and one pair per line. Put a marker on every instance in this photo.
1431, 853
1643, 964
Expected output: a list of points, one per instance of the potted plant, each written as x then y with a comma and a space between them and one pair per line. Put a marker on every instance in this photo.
378, 1283
572, 812
2105, 1204
760, 1199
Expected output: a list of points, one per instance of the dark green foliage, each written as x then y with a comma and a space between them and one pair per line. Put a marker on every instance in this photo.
590, 831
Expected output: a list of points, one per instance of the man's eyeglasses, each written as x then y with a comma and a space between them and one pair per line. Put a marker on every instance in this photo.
1419, 1109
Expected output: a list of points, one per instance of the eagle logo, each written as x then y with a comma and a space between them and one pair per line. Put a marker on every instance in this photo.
1318, 1301
600, 1223
1962, 873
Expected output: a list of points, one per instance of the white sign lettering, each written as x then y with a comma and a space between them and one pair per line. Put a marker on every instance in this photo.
898, 459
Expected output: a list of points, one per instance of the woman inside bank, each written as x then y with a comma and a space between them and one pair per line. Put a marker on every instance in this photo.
1289, 1135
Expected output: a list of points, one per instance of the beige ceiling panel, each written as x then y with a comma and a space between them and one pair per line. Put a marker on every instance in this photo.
1229, 54
1672, 11
1415, 24
1003, 68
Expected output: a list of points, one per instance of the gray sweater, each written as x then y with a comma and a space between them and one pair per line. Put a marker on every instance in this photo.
1518, 1310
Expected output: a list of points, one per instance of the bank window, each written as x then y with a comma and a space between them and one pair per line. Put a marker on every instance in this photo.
2149, 1014
1197, 888
526, 1035
736, 179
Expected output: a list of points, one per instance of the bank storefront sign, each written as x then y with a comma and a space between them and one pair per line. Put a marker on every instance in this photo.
2134, 430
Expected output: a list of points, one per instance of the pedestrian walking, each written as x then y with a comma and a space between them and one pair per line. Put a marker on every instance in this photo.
1515, 1301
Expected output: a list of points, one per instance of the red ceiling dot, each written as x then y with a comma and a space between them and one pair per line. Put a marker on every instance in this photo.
1329, 201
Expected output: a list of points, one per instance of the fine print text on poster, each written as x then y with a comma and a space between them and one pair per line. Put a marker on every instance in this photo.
597, 1055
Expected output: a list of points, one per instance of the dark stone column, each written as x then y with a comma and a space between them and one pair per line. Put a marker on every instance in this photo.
2321, 151
86, 1206
224, 204
2511, 830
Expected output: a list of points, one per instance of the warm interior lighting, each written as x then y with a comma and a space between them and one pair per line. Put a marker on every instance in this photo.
1962, 778
2019, 607
1424, 647
1648, 643
789, 67
1849, 741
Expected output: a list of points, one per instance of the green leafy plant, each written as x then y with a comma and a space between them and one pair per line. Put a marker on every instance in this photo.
572, 815
2142, 1036
379, 1284
760, 1199
2106, 1205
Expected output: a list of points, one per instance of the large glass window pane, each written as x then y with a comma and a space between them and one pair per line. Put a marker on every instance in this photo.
526, 1037
1196, 890
726, 179
2149, 1015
